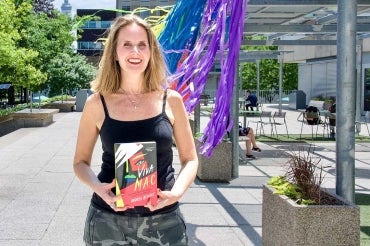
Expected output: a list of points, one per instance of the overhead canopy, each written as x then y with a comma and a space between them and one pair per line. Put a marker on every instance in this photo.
299, 22
5, 86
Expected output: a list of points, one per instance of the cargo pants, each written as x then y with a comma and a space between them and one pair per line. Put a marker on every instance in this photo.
103, 228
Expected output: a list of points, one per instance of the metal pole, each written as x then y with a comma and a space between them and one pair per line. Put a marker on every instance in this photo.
258, 79
359, 79
196, 126
346, 85
31, 100
280, 83
235, 130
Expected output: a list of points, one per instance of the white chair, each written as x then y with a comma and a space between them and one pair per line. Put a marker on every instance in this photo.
278, 119
365, 122
330, 121
265, 119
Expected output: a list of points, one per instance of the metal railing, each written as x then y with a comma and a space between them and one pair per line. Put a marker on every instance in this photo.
264, 96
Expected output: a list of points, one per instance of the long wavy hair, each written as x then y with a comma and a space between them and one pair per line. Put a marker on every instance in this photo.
109, 74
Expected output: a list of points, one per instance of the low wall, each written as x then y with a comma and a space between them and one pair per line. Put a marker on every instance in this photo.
25, 118
68, 106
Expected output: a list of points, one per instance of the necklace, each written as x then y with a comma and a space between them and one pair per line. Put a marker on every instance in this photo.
134, 99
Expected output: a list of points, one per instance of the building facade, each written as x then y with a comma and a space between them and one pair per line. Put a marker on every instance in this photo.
89, 43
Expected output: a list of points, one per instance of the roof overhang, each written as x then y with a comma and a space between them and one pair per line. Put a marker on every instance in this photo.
299, 22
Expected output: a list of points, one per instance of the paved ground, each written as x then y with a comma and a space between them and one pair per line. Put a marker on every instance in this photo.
42, 202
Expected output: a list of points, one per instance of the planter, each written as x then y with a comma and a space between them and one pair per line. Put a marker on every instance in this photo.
6, 118
36, 118
218, 167
287, 223
66, 106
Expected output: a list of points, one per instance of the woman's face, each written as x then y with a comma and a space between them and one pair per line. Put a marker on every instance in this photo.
133, 51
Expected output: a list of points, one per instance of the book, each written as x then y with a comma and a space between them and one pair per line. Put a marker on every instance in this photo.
136, 173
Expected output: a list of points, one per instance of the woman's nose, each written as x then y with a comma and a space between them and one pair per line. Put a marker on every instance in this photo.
135, 49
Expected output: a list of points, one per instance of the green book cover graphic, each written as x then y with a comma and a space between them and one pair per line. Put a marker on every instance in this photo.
136, 173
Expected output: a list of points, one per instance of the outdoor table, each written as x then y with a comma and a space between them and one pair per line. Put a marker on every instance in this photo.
246, 114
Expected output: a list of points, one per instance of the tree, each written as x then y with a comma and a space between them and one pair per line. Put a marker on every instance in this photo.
44, 6
269, 72
69, 73
16, 64
48, 36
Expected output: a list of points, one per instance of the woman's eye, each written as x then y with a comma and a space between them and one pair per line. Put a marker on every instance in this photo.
142, 46
128, 45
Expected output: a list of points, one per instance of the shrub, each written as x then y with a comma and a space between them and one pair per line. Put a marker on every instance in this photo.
302, 180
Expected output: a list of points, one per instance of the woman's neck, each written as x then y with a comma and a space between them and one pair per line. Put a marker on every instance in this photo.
132, 84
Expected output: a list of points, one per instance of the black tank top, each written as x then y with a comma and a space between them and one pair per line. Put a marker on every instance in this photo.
158, 129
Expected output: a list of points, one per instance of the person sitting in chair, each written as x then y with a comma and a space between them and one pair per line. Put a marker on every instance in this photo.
250, 142
250, 100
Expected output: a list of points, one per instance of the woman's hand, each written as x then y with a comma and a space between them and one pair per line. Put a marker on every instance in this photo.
165, 198
104, 190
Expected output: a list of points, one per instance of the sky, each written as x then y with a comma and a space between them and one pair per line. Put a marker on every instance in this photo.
87, 4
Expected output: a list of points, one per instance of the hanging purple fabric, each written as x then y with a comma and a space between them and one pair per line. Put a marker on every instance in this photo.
221, 34
217, 126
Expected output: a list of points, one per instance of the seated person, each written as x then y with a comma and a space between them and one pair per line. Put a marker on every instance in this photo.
250, 143
250, 100
332, 110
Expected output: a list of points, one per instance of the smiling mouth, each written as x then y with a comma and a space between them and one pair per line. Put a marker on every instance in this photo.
134, 60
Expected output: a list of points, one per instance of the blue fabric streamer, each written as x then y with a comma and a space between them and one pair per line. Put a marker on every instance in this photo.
181, 30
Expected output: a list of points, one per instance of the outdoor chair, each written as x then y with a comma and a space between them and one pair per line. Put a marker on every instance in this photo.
264, 119
365, 121
278, 119
330, 121
313, 120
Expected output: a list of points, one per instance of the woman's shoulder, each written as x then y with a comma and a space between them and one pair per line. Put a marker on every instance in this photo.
94, 100
172, 94
174, 99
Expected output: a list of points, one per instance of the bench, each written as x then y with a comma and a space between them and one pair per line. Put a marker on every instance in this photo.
204, 98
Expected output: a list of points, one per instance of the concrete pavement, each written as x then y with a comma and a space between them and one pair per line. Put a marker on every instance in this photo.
43, 203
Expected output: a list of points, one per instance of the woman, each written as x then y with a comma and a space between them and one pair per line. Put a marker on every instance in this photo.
130, 104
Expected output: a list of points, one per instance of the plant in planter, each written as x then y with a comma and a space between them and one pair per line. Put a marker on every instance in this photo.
296, 210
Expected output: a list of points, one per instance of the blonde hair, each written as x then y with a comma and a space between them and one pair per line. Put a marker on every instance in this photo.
109, 75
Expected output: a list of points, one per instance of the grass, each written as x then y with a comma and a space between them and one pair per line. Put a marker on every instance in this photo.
305, 138
363, 201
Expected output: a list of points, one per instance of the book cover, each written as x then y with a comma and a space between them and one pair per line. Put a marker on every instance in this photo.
136, 173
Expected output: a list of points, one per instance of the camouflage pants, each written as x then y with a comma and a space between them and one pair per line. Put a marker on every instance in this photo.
104, 228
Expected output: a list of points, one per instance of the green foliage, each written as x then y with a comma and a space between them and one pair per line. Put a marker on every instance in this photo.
16, 63
48, 36
302, 180
284, 187
68, 73
269, 72
32, 35
18, 107
269, 75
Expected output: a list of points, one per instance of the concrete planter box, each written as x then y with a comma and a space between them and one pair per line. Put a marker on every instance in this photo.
286, 223
217, 168
26, 118
66, 106
36, 118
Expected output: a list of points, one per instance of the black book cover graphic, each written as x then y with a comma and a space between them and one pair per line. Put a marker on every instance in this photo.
136, 173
